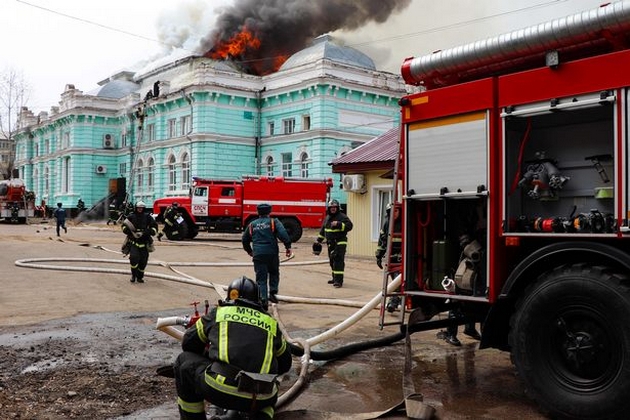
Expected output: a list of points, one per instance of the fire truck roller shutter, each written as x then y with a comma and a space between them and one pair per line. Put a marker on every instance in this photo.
293, 227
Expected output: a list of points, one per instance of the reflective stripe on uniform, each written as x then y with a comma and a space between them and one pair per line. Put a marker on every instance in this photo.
191, 407
219, 384
200, 332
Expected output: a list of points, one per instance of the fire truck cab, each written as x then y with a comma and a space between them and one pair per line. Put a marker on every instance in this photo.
515, 194
229, 205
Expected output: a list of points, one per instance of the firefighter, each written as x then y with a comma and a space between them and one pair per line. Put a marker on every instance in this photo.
396, 248
60, 215
334, 231
80, 206
234, 338
171, 227
139, 228
263, 233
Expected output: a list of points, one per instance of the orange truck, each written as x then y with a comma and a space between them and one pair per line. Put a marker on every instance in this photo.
229, 205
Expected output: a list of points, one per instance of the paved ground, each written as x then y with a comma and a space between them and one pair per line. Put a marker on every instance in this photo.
83, 343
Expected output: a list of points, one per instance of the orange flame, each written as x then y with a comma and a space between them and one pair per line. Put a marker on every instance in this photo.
236, 46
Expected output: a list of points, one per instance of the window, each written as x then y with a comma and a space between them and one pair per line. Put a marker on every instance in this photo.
172, 128
201, 192
269, 165
140, 176
382, 197
172, 174
185, 171
46, 180
271, 127
36, 150
286, 164
150, 169
304, 161
123, 140
150, 132
227, 192
306, 122
66, 141
46, 147
65, 175
288, 125
122, 169
184, 125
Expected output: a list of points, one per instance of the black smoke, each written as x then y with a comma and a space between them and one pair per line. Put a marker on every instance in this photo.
287, 26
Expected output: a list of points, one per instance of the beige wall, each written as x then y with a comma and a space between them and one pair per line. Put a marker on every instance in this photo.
361, 240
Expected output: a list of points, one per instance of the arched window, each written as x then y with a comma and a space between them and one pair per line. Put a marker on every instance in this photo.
269, 165
140, 175
185, 171
150, 174
304, 163
172, 173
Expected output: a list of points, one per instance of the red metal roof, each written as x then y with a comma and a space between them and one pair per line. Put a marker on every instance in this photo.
378, 153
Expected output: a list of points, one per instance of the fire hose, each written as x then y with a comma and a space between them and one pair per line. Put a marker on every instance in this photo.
299, 348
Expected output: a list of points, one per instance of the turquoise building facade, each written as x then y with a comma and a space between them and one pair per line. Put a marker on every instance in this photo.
156, 128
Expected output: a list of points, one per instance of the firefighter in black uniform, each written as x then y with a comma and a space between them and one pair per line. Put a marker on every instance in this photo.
170, 222
396, 248
139, 227
334, 231
235, 337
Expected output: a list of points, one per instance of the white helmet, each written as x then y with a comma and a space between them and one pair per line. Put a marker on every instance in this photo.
141, 204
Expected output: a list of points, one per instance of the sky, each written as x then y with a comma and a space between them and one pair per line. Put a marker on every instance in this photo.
82, 42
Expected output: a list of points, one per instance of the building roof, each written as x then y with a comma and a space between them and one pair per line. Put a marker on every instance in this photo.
324, 49
378, 153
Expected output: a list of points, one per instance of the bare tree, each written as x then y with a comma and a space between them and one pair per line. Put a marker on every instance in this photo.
14, 91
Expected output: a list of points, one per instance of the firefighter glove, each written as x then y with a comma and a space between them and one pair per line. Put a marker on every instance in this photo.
317, 248
379, 262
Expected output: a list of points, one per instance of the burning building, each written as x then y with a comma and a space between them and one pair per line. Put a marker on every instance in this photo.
222, 114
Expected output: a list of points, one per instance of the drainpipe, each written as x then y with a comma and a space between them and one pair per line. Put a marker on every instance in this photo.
258, 129
189, 98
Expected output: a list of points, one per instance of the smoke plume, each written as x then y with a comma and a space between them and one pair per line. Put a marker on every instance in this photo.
261, 34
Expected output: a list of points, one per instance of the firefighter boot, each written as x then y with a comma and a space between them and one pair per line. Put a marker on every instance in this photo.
471, 332
393, 304
159, 236
132, 279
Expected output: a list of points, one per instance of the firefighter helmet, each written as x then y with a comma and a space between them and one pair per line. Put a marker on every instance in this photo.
317, 248
333, 203
264, 209
243, 288
175, 204
141, 204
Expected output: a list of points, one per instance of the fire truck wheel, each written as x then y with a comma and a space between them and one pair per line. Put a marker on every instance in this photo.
571, 344
294, 229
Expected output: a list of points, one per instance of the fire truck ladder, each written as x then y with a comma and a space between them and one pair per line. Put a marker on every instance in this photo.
393, 263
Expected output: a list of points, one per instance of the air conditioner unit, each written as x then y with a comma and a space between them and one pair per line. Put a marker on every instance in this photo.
108, 141
354, 183
101, 169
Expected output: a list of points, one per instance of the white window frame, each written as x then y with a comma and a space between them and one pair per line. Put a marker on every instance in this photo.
288, 126
287, 165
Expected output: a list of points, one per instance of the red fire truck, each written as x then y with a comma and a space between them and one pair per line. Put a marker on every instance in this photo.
514, 184
16, 204
229, 205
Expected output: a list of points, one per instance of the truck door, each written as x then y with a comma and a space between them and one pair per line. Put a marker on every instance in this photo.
199, 205
225, 201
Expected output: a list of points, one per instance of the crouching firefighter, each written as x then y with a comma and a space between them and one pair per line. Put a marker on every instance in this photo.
231, 357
